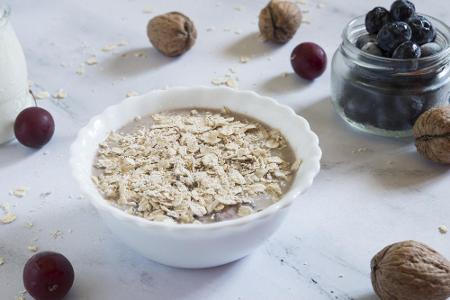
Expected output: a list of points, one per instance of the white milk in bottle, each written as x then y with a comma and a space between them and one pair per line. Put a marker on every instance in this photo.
14, 95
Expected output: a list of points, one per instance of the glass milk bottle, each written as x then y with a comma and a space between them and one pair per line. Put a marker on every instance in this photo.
14, 94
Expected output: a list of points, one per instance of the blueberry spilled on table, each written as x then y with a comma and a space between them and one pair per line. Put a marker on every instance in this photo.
387, 30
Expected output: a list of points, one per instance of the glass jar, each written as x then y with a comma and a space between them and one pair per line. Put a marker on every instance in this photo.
385, 96
14, 94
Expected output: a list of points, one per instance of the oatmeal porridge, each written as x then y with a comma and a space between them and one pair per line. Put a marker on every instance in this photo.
194, 166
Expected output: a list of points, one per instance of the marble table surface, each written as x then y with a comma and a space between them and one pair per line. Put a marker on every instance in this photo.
371, 191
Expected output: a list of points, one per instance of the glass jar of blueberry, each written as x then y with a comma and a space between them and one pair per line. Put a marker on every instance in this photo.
392, 66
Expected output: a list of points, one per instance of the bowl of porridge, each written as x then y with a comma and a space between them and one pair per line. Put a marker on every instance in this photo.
195, 177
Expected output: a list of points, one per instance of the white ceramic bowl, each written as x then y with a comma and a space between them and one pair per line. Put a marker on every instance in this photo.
196, 245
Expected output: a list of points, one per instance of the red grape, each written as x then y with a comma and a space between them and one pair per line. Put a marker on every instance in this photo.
309, 60
34, 127
48, 276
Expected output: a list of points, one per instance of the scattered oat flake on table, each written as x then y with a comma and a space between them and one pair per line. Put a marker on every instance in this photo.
20, 192
230, 82
2, 261
227, 81
212, 28
81, 69
132, 94
29, 225
60, 94
147, 10
217, 81
239, 8
92, 61
109, 47
32, 248
139, 54
443, 229
8, 217
42, 95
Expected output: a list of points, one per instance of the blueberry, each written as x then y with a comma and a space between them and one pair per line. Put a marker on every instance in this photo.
388, 116
407, 50
430, 49
358, 103
364, 39
372, 48
376, 19
402, 10
358, 110
392, 35
422, 30
408, 108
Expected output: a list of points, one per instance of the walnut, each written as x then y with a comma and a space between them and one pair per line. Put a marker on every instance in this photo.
279, 21
410, 271
172, 34
432, 134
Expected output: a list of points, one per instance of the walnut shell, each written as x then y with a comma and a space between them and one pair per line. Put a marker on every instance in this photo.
432, 134
410, 271
172, 34
279, 21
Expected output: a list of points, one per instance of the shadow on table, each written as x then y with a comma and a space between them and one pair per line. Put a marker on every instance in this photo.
135, 61
250, 45
160, 281
12, 152
190, 282
367, 297
283, 84
395, 165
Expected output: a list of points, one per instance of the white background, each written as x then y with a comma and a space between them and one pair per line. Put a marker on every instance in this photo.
359, 203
